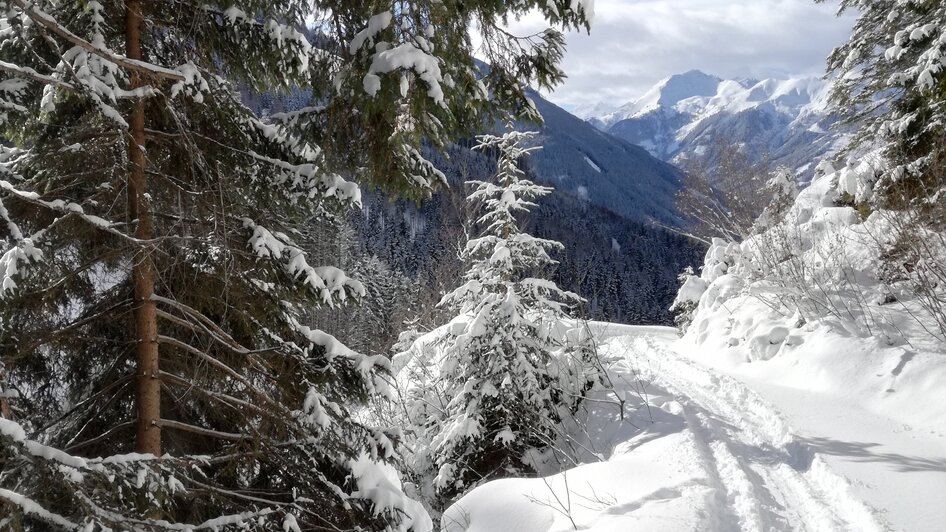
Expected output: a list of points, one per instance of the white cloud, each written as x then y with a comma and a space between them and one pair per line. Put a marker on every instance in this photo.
635, 43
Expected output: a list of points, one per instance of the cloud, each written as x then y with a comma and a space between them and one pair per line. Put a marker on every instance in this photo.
635, 43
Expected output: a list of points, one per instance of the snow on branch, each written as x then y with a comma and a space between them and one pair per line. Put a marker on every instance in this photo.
330, 283
406, 56
68, 209
414, 54
581, 7
293, 46
311, 181
32, 75
366, 365
421, 172
23, 252
376, 24
48, 22
31, 507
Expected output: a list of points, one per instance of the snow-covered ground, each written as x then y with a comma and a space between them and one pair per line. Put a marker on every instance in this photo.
710, 441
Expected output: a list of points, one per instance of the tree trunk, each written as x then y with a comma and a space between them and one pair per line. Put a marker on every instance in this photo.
5, 411
147, 385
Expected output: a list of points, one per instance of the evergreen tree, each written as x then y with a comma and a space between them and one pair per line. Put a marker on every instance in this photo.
394, 73
496, 382
891, 76
157, 370
155, 283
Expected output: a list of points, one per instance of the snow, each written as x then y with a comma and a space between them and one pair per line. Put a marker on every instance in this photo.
290, 524
596, 496
668, 93
328, 282
193, 83
592, 164
676, 119
28, 506
375, 24
12, 430
691, 291
381, 484
711, 442
792, 403
406, 56
592, 110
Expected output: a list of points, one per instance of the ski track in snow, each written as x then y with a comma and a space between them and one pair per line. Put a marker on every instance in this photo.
765, 478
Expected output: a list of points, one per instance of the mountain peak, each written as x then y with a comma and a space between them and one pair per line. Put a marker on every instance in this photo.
684, 116
694, 73
668, 92
682, 86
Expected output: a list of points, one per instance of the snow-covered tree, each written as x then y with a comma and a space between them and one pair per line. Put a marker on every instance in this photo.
781, 189
392, 73
495, 382
891, 76
155, 283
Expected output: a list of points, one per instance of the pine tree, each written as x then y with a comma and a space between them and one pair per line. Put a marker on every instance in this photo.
891, 79
492, 386
155, 284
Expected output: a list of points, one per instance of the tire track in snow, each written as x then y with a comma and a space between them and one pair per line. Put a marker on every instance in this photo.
769, 479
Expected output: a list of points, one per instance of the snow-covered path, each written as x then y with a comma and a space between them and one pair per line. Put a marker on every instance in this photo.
892, 466
767, 476
708, 449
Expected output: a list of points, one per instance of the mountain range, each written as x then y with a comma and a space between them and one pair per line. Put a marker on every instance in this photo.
782, 122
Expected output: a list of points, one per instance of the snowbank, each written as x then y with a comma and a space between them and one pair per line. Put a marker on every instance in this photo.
630, 478
806, 298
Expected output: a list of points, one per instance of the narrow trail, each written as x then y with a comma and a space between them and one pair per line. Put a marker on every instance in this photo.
765, 477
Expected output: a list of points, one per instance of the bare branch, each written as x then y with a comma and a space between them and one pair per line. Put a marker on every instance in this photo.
177, 425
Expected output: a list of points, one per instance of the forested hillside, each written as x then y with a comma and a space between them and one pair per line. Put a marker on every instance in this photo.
610, 205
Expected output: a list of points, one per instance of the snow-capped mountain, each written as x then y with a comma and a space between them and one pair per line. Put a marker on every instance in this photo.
782, 121
666, 95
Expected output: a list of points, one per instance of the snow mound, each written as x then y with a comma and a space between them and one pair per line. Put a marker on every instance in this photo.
664, 496
808, 311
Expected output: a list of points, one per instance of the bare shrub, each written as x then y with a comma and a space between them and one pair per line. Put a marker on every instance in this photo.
917, 256
722, 195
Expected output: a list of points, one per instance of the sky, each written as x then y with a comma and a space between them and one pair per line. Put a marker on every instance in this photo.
635, 43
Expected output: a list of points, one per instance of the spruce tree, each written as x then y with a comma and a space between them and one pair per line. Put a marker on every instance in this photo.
155, 284
891, 80
488, 389
394, 74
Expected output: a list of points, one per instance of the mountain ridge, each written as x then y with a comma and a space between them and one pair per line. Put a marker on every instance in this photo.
784, 122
